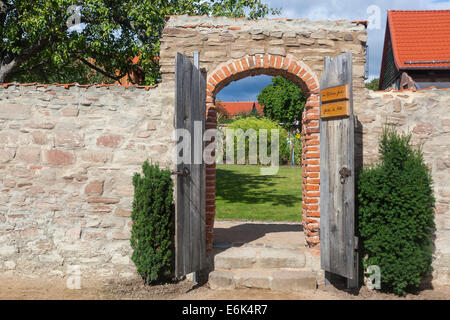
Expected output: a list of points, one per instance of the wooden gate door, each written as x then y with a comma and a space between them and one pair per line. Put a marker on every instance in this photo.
337, 170
190, 108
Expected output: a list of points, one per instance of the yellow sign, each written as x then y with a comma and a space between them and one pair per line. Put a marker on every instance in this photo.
337, 109
335, 94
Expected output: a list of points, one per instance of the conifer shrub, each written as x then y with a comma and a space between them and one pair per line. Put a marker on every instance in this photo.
396, 214
152, 235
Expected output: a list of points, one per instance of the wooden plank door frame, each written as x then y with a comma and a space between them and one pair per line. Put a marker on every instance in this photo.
337, 194
190, 228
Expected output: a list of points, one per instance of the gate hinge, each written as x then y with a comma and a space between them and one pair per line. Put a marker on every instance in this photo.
185, 172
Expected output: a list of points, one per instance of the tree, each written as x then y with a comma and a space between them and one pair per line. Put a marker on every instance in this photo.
60, 39
373, 85
152, 232
396, 216
282, 101
222, 112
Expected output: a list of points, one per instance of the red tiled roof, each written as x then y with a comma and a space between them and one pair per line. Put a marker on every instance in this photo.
420, 37
234, 108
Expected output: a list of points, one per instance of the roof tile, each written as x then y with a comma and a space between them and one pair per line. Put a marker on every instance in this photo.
420, 37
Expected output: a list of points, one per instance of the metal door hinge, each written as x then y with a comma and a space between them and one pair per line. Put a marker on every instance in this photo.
185, 172
345, 173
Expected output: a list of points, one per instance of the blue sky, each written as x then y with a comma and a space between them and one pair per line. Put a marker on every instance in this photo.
247, 89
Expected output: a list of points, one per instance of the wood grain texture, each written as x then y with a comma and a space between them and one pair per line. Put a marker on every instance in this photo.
190, 232
337, 199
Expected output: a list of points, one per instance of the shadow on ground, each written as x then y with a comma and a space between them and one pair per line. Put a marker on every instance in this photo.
249, 232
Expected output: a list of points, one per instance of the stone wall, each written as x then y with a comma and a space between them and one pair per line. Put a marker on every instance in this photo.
426, 114
67, 156
232, 49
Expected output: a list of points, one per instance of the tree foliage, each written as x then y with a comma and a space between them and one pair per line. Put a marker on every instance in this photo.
247, 128
373, 85
282, 101
41, 43
396, 214
152, 234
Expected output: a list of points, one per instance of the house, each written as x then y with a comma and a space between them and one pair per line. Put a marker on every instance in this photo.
235, 108
416, 50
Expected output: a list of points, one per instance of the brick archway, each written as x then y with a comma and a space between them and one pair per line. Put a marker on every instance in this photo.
298, 72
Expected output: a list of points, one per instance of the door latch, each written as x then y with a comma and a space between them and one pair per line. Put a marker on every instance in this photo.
345, 173
185, 172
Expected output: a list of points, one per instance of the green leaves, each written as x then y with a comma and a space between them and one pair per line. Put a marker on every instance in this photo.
283, 101
396, 213
35, 36
152, 233
256, 123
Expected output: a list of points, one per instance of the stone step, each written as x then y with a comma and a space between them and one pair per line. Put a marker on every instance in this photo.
273, 279
250, 257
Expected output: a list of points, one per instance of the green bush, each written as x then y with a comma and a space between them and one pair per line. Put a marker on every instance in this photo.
257, 124
152, 231
396, 214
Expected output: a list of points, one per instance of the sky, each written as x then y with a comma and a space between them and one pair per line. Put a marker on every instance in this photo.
247, 89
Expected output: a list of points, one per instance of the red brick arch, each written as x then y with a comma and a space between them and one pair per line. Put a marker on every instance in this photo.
298, 72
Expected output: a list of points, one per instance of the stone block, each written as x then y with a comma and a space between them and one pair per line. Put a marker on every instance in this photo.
58, 157
221, 280
14, 111
293, 281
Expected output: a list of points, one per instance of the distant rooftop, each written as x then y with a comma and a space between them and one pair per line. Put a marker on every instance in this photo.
420, 39
235, 108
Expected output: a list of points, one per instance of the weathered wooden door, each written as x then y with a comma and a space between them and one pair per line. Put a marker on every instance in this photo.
337, 170
190, 108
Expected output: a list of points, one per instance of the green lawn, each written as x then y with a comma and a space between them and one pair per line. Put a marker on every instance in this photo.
242, 193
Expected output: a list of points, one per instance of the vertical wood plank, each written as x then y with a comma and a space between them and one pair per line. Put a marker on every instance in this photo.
179, 205
337, 202
190, 231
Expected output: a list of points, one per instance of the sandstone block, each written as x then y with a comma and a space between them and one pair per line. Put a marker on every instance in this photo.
96, 156
73, 233
39, 137
14, 111
68, 139
122, 212
29, 154
103, 200
221, 280
58, 157
94, 188
70, 112
293, 281
110, 141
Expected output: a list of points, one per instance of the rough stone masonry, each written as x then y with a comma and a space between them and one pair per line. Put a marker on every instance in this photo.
231, 49
67, 157
68, 152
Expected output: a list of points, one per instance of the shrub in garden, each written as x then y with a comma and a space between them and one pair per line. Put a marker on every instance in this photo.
396, 214
152, 216
258, 124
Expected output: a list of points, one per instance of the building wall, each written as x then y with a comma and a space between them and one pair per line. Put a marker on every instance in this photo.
67, 157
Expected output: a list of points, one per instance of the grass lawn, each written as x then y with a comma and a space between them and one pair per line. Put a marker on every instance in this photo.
242, 193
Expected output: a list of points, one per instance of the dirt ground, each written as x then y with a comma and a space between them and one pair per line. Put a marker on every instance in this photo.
45, 289
286, 235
